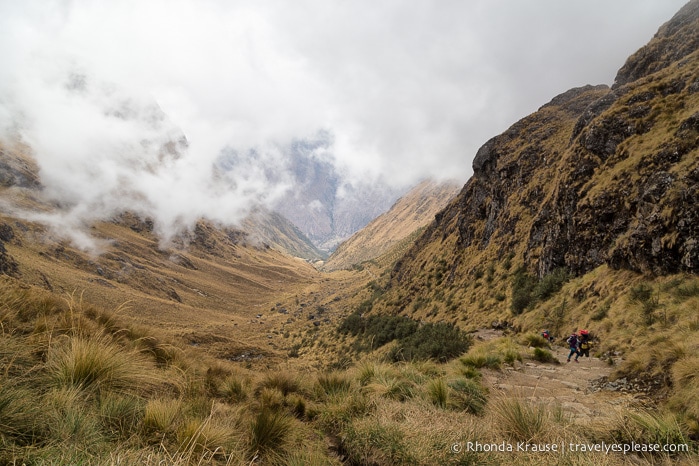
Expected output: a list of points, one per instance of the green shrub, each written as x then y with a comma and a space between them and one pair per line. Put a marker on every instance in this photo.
643, 295
522, 290
640, 293
352, 324
687, 291
440, 342
601, 312
550, 283
471, 372
379, 329
527, 290
508, 261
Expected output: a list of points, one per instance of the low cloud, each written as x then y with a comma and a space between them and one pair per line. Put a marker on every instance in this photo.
182, 110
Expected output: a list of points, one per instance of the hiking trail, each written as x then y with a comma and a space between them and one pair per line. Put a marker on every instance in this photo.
580, 388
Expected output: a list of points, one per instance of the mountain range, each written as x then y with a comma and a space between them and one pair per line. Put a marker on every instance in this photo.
251, 344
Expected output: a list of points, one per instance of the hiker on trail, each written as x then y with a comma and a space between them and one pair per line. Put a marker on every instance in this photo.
584, 344
573, 345
547, 336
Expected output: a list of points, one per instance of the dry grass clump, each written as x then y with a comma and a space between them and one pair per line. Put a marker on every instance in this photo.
393, 386
520, 420
647, 427
284, 382
467, 395
438, 392
544, 355
332, 385
371, 441
235, 388
534, 340
120, 414
459, 394
492, 354
160, 414
270, 432
481, 359
19, 413
684, 400
97, 363
207, 438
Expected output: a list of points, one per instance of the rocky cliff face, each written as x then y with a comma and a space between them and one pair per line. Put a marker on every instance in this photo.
597, 176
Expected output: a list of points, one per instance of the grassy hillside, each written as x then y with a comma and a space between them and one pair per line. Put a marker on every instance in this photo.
207, 293
411, 212
80, 386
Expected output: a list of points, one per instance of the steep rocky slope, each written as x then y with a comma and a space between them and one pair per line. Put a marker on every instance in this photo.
414, 210
598, 176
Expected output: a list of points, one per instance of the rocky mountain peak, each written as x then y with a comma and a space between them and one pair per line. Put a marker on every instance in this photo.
674, 41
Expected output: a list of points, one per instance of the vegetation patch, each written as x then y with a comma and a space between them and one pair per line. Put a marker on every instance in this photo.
437, 341
440, 342
527, 290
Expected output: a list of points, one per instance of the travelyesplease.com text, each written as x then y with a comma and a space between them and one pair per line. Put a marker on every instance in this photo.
606, 448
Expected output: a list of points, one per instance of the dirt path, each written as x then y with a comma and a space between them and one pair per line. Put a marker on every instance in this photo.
575, 386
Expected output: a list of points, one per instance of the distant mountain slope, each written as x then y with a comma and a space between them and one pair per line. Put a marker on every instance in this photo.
597, 176
273, 229
323, 204
414, 210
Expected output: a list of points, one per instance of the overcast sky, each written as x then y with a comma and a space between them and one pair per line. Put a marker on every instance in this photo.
405, 88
